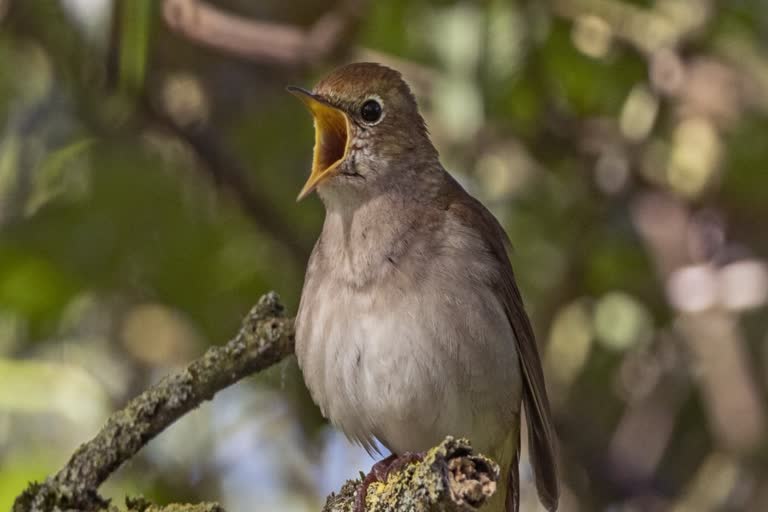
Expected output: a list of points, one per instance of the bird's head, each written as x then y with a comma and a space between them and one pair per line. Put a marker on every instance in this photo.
367, 129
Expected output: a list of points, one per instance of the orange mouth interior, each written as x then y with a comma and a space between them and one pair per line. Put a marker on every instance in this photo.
331, 138
332, 134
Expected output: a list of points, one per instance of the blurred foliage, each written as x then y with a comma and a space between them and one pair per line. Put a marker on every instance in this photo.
147, 185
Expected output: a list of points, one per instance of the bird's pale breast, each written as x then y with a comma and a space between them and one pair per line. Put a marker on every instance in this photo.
409, 362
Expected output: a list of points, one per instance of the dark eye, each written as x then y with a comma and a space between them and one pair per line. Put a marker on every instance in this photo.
370, 111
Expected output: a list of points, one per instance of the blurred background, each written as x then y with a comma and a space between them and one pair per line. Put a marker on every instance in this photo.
149, 162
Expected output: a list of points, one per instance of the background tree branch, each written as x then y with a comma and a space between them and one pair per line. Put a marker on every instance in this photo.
266, 337
264, 41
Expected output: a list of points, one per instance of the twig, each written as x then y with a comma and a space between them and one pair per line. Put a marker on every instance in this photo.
258, 40
266, 337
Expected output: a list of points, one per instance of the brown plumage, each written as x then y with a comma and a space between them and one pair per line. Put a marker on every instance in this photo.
411, 326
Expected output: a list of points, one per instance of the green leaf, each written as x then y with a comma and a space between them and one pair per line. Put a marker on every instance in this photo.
61, 174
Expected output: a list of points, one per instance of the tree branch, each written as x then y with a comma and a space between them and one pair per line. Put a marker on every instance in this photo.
266, 337
449, 479
262, 41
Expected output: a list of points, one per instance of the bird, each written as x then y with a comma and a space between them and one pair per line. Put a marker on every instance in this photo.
411, 326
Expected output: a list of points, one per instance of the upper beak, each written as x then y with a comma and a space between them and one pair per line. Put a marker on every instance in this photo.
331, 138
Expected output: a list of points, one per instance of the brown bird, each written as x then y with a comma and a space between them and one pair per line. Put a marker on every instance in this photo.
411, 326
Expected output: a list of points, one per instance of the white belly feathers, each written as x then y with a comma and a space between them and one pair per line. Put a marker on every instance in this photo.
374, 369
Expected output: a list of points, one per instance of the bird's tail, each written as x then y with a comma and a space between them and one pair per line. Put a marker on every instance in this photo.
507, 496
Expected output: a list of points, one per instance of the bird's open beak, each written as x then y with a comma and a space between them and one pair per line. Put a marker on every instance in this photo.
331, 138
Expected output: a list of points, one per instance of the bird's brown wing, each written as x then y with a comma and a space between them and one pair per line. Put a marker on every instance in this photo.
541, 432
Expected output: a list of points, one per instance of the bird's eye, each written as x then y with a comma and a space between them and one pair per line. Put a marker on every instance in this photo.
370, 111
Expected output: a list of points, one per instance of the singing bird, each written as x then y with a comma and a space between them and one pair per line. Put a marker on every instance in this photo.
411, 326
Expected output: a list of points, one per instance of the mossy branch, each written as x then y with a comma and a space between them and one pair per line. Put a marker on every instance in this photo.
449, 478
265, 337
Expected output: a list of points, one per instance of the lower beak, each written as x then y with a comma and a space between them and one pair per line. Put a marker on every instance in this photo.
331, 139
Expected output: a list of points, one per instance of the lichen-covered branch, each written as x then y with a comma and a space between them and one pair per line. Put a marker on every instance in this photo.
450, 478
266, 337
142, 505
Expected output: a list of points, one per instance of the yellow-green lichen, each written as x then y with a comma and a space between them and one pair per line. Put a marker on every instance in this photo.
449, 478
